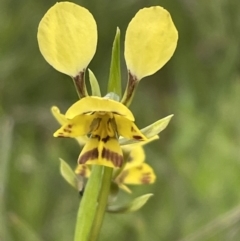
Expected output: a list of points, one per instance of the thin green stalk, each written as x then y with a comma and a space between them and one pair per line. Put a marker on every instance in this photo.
93, 205
88, 205
227, 220
23, 230
6, 133
114, 83
102, 203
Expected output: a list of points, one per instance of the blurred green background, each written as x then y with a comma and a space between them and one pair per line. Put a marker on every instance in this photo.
197, 159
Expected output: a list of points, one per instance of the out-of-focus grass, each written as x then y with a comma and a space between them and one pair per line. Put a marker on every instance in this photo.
5, 148
197, 159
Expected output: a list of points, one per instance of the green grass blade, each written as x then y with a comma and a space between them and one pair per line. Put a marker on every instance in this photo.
114, 83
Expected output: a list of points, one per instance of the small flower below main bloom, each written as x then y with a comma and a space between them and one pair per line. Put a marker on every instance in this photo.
135, 171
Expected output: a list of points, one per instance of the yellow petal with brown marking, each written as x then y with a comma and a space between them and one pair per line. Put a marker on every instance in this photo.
136, 157
128, 129
141, 174
78, 126
106, 152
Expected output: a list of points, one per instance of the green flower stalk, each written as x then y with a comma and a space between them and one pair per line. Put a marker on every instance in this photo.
112, 153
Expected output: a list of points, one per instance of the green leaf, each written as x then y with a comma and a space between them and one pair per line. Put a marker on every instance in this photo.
133, 206
150, 131
114, 82
94, 84
156, 127
68, 174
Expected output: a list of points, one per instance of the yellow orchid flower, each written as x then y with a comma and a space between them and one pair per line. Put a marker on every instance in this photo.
146, 135
151, 132
67, 38
104, 120
135, 172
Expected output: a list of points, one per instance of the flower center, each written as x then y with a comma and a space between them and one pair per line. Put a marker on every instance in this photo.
103, 126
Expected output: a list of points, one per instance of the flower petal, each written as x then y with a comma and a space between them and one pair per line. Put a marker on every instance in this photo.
78, 126
156, 127
141, 174
82, 140
83, 170
136, 157
67, 37
151, 39
128, 129
93, 104
133, 206
68, 174
98, 152
151, 132
61, 119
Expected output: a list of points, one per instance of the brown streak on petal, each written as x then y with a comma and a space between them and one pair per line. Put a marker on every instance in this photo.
114, 157
137, 137
116, 113
105, 139
87, 112
67, 130
146, 178
97, 136
89, 155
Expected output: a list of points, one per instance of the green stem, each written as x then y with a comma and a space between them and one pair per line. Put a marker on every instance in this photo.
88, 205
102, 203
